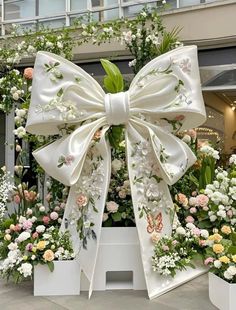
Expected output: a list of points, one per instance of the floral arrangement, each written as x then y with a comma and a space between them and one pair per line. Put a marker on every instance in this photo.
176, 253
6, 187
31, 235
221, 253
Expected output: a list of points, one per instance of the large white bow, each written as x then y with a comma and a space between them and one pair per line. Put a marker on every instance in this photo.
164, 97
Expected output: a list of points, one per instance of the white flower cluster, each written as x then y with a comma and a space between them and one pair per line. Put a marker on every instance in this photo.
14, 258
232, 160
164, 263
208, 150
148, 184
222, 193
230, 273
62, 254
16, 93
6, 187
21, 116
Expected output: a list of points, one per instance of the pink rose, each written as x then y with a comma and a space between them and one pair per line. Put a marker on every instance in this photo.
202, 200
112, 207
69, 160
194, 194
27, 224
202, 242
174, 242
193, 210
54, 215
82, 200
35, 235
196, 231
165, 248
208, 260
28, 73
179, 117
17, 199
189, 219
192, 133
46, 220
17, 228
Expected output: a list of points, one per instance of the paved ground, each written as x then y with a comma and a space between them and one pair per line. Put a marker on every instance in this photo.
190, 296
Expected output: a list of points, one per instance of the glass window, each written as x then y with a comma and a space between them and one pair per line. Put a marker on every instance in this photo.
19, 9
57, 23
50, 7
183, 3
111, 14
78, 5
2, 139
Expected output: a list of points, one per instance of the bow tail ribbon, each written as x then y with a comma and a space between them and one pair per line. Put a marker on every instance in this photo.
99, 154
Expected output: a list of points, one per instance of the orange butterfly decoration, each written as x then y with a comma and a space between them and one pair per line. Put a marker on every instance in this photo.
154, 223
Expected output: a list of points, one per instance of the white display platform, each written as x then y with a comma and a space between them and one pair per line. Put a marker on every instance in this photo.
119, 264
64, 280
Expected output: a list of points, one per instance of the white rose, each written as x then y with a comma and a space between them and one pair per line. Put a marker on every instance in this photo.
23, 236
217, 264
186, 139
112, 207
40, 229
12, 246
213, 218
227, 275
190, 226
204, 233
232, 270
42, 209
15, 96
221, 213
180, 231
116, 165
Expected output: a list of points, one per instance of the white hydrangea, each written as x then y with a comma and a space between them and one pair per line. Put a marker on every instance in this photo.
25, 269
232, 159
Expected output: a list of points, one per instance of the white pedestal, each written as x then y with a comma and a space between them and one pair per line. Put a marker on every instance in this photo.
64, 280
119, 264
222, 294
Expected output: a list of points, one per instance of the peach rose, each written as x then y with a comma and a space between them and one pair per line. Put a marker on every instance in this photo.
48, 255
82, 200
226, 229
97, 135
16, 199
182, 199
28, 73
112, 207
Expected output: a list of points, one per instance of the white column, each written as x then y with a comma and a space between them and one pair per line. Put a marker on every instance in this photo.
10, 148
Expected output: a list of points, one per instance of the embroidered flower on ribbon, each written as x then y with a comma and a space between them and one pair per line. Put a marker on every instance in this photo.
53, 69
65, 160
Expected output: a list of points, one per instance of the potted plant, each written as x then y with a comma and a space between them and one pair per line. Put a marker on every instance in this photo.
221, 257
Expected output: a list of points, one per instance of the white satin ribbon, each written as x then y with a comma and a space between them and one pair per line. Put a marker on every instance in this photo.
164, 97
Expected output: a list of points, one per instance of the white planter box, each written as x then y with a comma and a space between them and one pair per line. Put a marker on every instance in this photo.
64, 280
119, 264
222, 294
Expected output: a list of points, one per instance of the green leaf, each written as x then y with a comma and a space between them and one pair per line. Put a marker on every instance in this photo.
115, 135
113, 81
116, 217
232, 250
233, 238
51, 266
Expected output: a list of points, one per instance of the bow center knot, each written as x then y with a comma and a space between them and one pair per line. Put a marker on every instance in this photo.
117, 108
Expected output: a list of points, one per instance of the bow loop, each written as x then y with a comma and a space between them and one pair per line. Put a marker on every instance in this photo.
52, 101
168, 87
